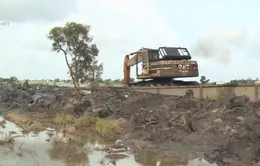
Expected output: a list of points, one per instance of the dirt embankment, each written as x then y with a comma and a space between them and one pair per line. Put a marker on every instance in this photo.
224, 131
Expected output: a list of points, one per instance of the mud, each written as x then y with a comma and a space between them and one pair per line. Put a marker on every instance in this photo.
225, 131
51, 147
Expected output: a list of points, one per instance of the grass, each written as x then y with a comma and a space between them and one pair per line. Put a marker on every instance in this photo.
105, 128
71, 124
110, 128
63, 119
211, 99
85, 121
70, 128
68, 123
24, 122
170, 160
16, 118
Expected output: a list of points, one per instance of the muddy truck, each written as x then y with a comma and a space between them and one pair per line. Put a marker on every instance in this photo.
160, 67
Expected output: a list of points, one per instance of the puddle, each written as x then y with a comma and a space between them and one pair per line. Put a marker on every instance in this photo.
56, 149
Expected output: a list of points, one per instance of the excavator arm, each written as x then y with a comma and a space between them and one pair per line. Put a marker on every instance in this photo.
130, 60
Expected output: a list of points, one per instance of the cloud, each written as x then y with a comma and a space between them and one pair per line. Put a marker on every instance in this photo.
253, 45
25, 52
118, 28
121, 27
126, 23
34, 10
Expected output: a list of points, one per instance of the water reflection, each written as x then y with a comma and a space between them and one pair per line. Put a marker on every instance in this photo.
146, 158
55, 148
71, 154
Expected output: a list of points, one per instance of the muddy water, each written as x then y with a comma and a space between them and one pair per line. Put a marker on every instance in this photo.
55, 149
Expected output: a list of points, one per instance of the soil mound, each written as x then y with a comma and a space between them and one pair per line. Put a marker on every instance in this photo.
225, 131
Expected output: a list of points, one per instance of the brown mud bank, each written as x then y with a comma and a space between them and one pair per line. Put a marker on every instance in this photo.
223, 131
52, 147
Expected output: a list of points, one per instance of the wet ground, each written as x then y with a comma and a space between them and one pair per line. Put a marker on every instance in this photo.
56, 149
162, 128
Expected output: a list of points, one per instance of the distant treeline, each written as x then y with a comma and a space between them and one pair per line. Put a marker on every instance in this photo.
203, 81
57, 80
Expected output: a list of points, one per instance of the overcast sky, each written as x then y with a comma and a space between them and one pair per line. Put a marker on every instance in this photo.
223, 36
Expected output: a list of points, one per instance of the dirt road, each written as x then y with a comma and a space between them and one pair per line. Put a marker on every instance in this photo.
225, 131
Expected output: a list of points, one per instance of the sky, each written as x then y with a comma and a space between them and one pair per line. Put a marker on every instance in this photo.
223, 36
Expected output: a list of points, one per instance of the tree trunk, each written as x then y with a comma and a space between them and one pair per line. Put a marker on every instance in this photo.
76, 85
76, 72
76, 81
93, 75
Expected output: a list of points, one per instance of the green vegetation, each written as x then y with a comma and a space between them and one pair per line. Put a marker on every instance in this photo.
210, 99
85, 121
63, 82
205, 81
63, 119
105, 128
244, 81
27, 124
75, 42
